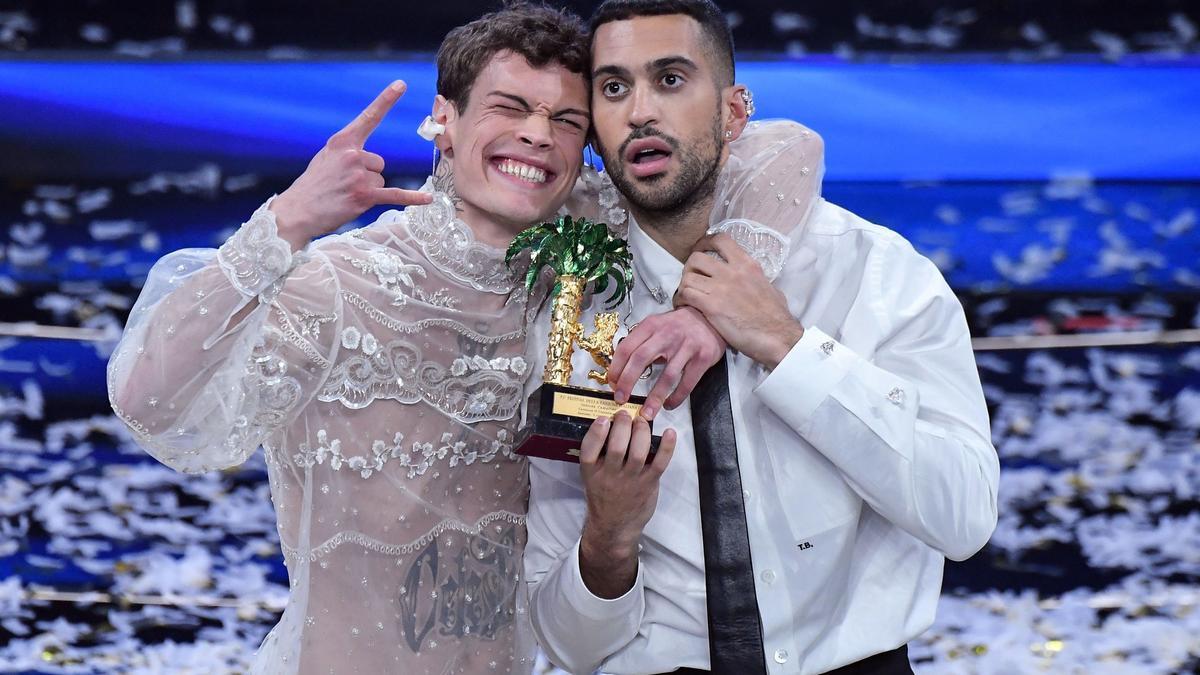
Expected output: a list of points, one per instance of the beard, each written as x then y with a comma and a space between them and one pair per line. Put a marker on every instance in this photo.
662, 197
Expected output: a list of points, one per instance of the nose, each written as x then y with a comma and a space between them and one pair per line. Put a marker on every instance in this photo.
644, 111
535, 132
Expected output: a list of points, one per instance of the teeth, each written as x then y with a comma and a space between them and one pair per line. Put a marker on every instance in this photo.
522, 171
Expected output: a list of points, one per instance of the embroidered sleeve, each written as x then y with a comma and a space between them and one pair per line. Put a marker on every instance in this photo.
768, 247
224, 347
255, 258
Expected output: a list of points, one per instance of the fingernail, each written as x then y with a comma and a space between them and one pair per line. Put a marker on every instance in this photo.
648, 411
620, 396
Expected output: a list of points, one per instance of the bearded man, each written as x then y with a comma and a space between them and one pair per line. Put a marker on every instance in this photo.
832, 456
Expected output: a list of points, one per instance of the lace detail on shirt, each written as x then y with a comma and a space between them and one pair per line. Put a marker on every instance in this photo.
391, 271
311, 322
397, 371
416, 459
278, 393
296, 337
418, 326
255, 257
768, 247
608, 198
450, 244
463, 364
370, 543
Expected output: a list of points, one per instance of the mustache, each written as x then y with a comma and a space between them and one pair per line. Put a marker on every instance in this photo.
646, 132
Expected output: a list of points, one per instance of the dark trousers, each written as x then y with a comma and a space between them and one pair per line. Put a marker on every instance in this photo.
894, 662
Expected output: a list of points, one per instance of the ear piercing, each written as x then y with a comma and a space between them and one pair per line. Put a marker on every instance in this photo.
748, 99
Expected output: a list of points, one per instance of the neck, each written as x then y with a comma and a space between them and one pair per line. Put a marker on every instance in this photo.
678, 230
487, 230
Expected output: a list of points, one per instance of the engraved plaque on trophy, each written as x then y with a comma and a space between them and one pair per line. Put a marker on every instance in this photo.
559, 413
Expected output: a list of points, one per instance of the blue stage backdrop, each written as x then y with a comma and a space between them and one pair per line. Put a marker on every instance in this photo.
924, 121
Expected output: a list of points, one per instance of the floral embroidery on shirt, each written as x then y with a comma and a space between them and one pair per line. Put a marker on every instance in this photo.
390, 269
419, 459
463, 364
398, 371
330, 452
310, 322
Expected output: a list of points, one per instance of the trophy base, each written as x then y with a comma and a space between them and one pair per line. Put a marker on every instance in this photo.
559, 417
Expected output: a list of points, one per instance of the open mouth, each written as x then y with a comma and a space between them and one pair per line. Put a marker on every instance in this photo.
522, 170
648, 156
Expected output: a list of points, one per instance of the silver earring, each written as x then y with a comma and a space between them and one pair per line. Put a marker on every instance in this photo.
728, 135
748, 99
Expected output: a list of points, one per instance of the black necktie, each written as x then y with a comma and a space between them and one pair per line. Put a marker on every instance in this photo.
734, 628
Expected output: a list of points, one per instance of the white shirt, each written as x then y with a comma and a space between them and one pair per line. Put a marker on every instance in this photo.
865, 458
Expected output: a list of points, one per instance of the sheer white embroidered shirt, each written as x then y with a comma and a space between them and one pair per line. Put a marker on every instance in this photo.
380, 370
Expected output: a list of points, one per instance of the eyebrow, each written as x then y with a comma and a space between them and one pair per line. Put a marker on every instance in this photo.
668, 61
655, 65
619, 71
525, 104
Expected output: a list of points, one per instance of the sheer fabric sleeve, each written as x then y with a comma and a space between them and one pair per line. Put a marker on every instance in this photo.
768, 188
224, 347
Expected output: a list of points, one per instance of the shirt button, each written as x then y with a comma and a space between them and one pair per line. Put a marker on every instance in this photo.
745, 495
768, 576
781, 656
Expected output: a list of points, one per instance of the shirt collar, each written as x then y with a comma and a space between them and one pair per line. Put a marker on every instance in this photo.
653, 265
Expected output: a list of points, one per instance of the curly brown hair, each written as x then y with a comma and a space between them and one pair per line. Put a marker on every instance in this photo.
541, 34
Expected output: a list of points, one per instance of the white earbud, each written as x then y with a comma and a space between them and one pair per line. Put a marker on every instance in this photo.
429, 129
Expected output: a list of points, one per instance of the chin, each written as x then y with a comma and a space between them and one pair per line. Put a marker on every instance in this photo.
523, 213
651, 195
526, 210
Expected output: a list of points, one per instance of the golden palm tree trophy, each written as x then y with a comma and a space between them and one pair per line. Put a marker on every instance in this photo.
579, 252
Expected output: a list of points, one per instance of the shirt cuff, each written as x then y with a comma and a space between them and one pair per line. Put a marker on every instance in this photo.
805, 377
593, 606
256, 258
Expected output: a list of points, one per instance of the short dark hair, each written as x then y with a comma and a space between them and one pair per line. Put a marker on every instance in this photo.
712, 22
541, 34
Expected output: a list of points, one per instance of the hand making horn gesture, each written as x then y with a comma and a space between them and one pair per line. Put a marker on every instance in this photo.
342, 181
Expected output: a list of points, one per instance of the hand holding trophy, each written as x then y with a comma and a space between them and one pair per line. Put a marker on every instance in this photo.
579, 252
